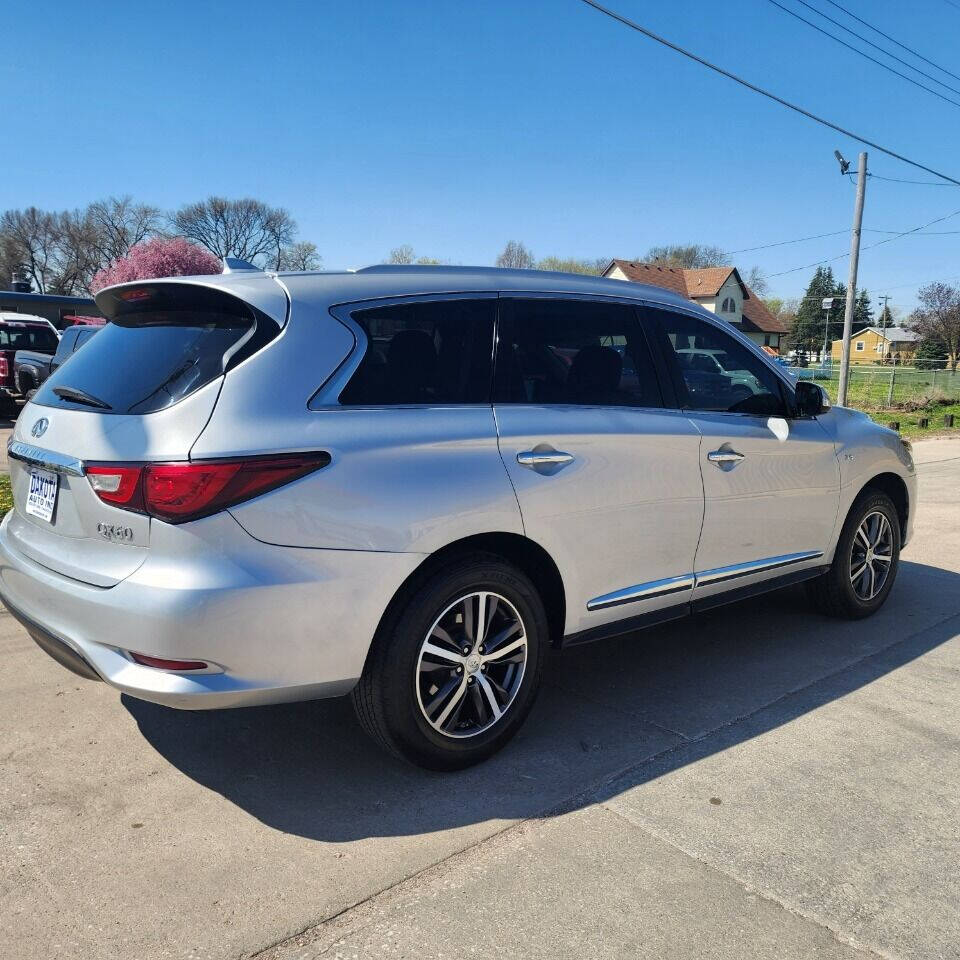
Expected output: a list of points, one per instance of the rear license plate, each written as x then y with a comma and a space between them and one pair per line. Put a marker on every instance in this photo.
42, 495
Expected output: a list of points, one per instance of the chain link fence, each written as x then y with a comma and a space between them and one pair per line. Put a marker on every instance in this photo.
889, 386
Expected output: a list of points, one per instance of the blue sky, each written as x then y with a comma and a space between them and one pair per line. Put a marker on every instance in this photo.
455, 126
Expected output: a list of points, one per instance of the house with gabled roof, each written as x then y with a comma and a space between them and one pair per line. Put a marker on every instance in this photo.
879, 345
720, 290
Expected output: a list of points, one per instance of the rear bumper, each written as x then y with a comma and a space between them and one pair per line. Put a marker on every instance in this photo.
277, 623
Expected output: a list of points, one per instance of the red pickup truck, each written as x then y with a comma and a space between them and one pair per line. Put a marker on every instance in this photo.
20, 332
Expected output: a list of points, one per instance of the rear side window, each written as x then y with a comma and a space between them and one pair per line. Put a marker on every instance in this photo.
164, 343
590, 353
14, 336
436, 352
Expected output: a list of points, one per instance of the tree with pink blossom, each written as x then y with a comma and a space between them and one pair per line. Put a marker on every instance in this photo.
159, 257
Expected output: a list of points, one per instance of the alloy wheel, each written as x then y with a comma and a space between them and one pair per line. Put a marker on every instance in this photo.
471, 665
871, 556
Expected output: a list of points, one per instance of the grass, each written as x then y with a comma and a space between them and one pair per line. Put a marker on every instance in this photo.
914, 394
910, 420
6, 494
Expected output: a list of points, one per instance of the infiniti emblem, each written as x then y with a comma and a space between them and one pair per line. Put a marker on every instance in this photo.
40, 427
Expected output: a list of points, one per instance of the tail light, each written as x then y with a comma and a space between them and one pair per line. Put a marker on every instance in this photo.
4, 368
178, 492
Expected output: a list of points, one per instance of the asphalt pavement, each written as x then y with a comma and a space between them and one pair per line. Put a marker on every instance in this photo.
759, 781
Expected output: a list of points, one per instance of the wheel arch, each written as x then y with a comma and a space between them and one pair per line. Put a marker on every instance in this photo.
894, 487
522, 552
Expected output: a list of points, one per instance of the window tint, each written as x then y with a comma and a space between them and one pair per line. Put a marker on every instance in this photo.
436, 352
573, 352
716, 372
165, 342
21, 336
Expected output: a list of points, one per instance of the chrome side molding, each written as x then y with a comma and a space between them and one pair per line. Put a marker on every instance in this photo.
719, 574
47, 459
642, 591
688, 581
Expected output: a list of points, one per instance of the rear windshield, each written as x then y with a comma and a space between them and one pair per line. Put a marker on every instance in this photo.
23, 337
157, 350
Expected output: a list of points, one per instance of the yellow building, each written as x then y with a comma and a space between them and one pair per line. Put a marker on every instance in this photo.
873, 345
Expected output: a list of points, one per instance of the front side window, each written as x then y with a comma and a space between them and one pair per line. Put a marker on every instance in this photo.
424, 353
713, 371
590, 353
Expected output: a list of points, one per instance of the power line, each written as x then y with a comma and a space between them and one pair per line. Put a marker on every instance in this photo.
866, 56
782, 243
902, 46
876, 46
921, 183
633, 25
870, 246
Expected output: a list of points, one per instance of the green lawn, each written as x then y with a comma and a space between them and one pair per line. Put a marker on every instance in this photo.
6, 494
910, 420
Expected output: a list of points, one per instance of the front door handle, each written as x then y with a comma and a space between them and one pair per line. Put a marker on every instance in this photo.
723, 457
552, 458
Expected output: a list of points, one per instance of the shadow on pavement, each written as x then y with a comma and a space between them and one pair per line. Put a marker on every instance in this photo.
667, 696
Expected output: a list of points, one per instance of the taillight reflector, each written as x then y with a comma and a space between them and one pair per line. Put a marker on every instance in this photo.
162, 664
178, 492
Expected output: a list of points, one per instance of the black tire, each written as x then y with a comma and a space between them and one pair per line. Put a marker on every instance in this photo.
387, 698
834, 593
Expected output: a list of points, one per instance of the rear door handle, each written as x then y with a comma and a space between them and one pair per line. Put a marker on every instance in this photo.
552, 458
721, 457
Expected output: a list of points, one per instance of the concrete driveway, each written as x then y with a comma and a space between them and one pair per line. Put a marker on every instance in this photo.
757, 782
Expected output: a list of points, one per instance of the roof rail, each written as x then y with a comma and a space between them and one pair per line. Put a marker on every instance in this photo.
236, 265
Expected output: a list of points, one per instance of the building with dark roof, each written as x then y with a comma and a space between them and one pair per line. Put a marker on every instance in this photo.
720, 290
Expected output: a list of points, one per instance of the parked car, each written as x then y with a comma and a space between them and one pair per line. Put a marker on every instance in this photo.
31, 368
406, 483
21, 331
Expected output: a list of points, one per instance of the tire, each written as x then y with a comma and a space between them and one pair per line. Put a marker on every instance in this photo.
838, 593
400, 699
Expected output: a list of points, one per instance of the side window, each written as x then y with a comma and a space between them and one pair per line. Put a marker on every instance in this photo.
573, 352
716, 372
436, 352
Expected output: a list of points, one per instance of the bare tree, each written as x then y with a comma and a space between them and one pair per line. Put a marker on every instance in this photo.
757, 281
300, 256
116, 224
572, 265
248, 229
29, 243
515, 256
402, 254
938, 318
691, 255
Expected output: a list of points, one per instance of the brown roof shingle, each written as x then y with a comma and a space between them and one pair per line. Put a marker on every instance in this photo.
703, 282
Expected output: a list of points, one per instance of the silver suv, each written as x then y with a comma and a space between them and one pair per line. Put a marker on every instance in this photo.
407, 483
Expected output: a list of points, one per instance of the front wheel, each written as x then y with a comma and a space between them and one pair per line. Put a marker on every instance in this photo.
865, 563
454, 670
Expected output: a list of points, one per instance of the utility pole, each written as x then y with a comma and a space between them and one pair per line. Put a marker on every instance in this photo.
883, 323
852, 280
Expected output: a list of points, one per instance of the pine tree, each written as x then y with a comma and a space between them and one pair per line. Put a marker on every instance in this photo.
807, 331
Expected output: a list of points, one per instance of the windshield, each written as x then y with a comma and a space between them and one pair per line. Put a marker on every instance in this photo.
22, 336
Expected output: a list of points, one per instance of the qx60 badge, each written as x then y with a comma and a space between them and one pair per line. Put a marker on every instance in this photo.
40, 427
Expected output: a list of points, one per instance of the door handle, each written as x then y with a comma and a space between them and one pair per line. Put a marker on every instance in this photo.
721, 457
552, 458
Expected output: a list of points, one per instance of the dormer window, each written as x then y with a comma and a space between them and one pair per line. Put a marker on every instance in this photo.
728, 305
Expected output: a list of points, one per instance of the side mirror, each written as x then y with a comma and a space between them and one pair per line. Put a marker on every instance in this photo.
811, 399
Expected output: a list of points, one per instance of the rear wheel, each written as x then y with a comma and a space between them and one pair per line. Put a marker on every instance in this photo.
866, 561
455, 669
